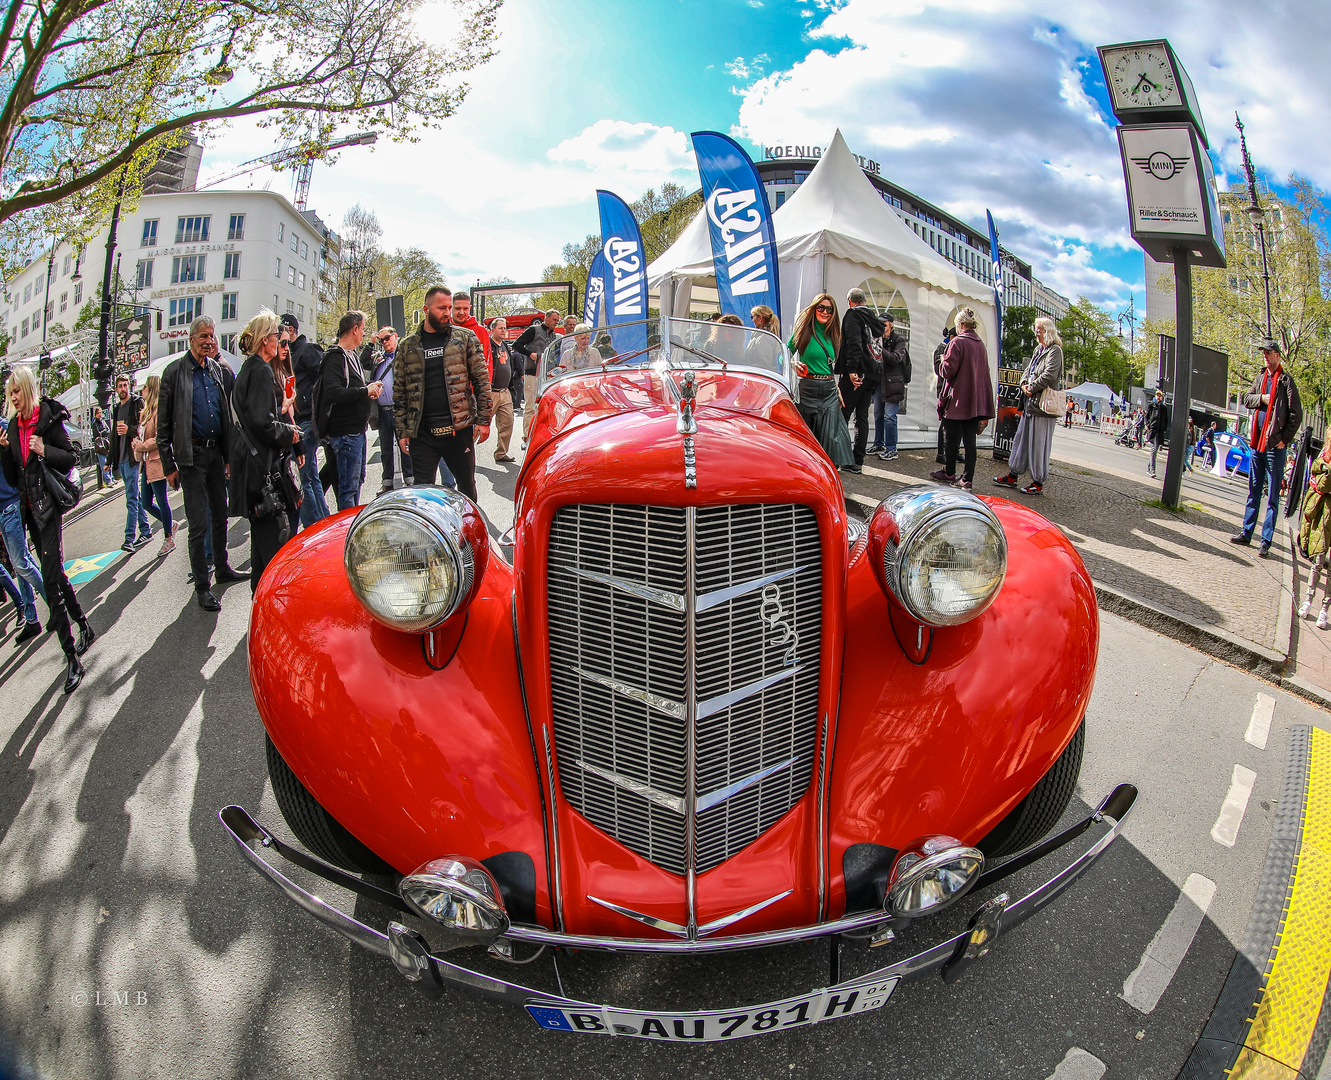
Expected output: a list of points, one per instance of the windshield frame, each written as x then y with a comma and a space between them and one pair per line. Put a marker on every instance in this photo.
671, 332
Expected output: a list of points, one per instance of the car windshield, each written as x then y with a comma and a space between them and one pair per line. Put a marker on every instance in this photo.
665, 343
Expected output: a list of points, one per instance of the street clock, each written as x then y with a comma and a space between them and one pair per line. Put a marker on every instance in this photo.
1147, 85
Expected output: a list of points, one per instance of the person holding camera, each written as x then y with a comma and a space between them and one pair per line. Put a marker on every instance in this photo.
262, 488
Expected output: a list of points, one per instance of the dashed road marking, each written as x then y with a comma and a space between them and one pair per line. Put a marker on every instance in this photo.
1145, 986
1078, 1064
1226, 828
1259, 727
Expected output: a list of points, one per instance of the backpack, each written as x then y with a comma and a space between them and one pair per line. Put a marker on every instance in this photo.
321, 411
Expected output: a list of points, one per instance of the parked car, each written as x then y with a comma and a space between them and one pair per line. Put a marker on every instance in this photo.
80, 438
702, 708
1238, 454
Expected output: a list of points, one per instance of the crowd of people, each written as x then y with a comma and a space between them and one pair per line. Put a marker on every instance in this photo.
244, 443
852, 363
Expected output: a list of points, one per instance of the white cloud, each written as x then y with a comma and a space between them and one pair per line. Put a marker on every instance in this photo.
982, 104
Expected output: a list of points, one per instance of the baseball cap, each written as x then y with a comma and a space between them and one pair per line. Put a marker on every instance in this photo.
290, 320
1267, 344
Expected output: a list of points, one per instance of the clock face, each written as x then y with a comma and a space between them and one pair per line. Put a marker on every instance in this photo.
1143, 78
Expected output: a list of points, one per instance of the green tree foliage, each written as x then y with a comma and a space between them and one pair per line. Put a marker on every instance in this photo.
661, 218
365, 271
1229, 304
96, 90
1092, 349
1018, 335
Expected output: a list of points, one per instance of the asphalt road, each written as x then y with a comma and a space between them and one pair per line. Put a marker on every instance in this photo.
135, 943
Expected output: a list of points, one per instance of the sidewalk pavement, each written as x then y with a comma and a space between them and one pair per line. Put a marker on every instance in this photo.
1175, 572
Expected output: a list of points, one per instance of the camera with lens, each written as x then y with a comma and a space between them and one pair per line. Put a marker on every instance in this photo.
270, 502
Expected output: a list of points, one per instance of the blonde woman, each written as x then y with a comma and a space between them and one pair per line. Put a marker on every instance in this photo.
761, 351
1034, 439
264, 439
152, 478
35, 436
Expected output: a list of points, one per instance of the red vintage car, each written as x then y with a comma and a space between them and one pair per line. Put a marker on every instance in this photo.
703, 708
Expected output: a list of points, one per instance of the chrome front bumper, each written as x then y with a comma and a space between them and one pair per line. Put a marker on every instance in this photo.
411, 954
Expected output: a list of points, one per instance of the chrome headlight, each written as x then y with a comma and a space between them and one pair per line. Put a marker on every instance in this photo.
414, 556
931, 874
941, 552
460, 895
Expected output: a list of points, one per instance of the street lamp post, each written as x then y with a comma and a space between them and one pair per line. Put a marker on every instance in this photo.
1257, 215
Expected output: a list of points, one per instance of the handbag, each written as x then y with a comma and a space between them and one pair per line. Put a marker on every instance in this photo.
1051, 402
65, 489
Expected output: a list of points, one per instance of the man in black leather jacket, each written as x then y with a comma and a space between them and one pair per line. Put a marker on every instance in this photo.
859, 368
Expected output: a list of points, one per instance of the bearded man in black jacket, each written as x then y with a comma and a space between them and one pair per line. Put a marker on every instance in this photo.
859, 368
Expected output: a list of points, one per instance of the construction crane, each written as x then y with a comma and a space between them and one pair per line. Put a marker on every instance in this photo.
306, 154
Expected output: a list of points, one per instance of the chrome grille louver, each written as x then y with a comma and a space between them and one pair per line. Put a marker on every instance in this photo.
619, 615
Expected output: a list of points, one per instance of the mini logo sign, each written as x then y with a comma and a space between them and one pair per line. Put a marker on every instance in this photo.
625, 264
1161, 165
737, 215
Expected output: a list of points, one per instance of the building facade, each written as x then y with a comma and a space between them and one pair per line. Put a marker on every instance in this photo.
225, 254
784, 168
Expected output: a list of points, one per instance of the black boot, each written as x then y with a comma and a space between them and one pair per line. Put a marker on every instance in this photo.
86, 637
74, 675
30, 630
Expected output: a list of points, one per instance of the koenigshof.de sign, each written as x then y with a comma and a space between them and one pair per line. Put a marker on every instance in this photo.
774, 153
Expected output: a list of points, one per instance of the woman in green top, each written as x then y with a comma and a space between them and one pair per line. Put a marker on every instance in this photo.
815, 342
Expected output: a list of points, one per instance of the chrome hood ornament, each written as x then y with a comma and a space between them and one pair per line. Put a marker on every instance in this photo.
687, 425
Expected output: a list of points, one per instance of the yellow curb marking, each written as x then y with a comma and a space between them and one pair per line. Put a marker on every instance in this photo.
1292, 998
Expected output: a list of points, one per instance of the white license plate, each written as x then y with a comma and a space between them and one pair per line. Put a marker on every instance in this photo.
723, 1024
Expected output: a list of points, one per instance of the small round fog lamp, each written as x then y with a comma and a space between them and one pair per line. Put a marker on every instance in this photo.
930, 875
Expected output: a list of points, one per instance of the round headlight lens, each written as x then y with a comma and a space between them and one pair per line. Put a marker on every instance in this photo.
952, 569
930, 875
403, 570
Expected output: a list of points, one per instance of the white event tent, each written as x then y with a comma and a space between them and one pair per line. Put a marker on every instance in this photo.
834, 234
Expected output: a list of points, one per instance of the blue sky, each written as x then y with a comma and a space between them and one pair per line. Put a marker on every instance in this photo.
972, 104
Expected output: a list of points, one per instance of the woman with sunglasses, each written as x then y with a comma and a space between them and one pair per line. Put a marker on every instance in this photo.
815, 341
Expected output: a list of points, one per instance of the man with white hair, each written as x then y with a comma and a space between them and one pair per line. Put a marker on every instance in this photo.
193, 432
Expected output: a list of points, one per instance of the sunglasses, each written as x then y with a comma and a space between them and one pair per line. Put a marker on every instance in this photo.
824, 308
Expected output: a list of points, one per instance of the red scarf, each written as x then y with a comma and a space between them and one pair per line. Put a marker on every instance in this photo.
26, 426
1258, 439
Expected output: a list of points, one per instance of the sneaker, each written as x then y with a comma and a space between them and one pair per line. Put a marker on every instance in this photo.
887, 455
963, 483
175, 527
143, 541
1006, 480
128, 546
1241, 538
1322, 621
168, 546
852, 468
1305, 609
942, 477
876, 448
1264, 551
1032, 488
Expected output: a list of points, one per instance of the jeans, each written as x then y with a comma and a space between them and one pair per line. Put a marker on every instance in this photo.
204, 485
134, 511
106, 473
20, 558
1264, 467
313, 507
153, 497
349, 451
1155, 449
891, 409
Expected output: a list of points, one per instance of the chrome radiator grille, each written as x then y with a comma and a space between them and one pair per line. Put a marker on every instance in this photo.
620, 607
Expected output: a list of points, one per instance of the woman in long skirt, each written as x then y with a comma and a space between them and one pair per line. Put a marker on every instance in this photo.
1034, 439
815, 342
